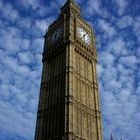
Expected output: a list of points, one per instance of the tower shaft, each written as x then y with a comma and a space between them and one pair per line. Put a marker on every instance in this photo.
69, 99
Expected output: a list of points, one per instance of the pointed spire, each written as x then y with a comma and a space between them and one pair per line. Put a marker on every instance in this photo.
69, 1
111, 137
70, 4
121, 137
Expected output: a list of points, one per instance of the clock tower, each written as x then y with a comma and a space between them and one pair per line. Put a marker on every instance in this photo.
69, 99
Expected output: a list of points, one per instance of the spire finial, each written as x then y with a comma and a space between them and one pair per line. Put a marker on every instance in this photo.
69, 1
68, 5
72, 1
111, 137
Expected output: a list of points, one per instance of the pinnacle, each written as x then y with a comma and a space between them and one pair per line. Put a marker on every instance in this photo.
111, 137
70, 1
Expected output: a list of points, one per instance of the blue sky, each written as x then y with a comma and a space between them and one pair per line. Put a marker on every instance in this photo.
117, 27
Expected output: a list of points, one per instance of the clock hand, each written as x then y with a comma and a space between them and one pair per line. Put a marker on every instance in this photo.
84, 36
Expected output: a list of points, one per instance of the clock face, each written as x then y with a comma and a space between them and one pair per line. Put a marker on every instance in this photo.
83, 34
55, 36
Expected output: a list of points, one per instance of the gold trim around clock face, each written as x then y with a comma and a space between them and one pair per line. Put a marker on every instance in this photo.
83, 24
83, 31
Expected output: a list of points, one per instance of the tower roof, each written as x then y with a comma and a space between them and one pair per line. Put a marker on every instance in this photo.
71, 1
111, 137
69, 5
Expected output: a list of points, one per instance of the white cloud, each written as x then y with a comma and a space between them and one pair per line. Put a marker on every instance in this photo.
121, 6
43, 24
11, 63
24, 23
117, 46
121, 68
25, 44
96, 7
100, 69
25, 57
125, 22
7, 13
27, 3
23, 69
136, 28
38, 6
108, 30
117, 86
21, 125
106, 58
129, 61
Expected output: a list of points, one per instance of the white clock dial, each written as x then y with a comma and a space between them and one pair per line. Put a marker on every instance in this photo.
87, 39
56, 35
83, 34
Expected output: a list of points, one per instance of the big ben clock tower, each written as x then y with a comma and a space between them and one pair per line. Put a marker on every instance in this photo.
69, 99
